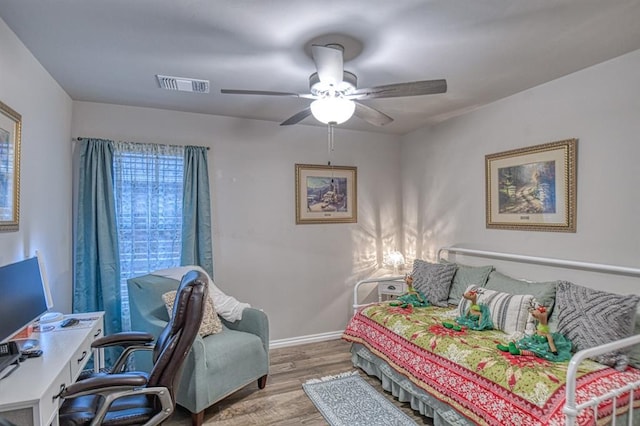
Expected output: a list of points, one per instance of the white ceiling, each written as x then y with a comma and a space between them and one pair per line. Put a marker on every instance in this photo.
110, 51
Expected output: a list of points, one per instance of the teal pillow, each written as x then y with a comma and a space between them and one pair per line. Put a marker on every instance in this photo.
464, 277
543, 292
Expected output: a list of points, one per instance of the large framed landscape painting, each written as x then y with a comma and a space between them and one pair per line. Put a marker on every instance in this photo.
533, 188
326, 194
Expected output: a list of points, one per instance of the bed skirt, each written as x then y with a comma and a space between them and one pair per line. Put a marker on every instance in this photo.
404, 390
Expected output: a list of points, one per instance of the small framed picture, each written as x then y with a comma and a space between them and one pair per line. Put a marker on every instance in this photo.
326, 194
533, 188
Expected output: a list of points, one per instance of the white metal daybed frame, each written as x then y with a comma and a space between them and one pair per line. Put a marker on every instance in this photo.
571, 409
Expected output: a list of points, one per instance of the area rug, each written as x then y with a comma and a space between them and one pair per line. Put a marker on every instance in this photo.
348, 400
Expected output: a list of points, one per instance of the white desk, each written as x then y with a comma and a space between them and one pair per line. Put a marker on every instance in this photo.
27, 396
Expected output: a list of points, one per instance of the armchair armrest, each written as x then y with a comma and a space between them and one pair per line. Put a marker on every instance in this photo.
151, 325
253, 321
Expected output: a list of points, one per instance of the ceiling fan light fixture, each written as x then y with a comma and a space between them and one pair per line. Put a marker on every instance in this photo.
332, 110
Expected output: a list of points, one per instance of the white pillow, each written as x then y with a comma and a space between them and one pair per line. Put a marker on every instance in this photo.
509, 312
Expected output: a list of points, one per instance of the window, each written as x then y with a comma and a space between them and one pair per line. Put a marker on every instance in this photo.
148, 186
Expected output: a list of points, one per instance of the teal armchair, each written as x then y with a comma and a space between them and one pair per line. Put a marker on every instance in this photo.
217, 365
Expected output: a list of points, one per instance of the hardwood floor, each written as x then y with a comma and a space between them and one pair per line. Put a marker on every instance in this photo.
283, 401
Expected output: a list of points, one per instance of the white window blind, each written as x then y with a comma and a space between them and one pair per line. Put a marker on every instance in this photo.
148, 183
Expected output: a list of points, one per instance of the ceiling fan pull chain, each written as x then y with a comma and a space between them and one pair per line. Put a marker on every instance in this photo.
330, 145
330, 149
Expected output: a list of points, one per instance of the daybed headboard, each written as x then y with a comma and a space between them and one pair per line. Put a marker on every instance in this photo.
613, 278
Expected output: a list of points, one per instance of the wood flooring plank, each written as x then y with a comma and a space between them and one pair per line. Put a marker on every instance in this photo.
283, 402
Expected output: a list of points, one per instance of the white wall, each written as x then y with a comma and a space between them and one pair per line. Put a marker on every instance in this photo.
301, 275
443, 170
45, 186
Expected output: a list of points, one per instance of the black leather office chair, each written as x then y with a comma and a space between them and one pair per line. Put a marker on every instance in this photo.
137, 398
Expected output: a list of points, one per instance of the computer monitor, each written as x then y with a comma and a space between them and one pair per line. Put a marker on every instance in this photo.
23, 297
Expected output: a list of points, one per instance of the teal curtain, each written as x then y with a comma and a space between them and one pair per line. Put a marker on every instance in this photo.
96, 263
196, 210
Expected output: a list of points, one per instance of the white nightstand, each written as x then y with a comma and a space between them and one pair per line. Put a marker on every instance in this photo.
391, 289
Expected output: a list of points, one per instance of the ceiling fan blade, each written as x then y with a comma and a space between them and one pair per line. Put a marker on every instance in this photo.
371, 115
413, 88
259, 92
296, 118
329, 63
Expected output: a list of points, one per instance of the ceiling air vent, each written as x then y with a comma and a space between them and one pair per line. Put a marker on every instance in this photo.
183, 84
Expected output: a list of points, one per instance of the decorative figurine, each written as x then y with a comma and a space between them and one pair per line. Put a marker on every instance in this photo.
412, 297
544, 343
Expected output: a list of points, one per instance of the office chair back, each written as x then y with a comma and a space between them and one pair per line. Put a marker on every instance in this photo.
173, 344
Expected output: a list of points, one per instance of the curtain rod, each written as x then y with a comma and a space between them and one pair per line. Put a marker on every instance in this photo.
80, 139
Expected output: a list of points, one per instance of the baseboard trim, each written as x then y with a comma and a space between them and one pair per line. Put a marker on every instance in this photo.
301, 340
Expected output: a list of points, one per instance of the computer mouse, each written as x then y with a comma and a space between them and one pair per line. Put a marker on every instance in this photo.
69, 322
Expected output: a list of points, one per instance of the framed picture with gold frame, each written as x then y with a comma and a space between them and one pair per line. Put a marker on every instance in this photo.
10, 134
533, 188
326, 194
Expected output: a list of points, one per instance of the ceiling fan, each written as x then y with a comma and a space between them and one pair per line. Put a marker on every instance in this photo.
335, 93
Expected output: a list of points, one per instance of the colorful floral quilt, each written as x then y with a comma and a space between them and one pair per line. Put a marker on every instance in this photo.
465, 370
